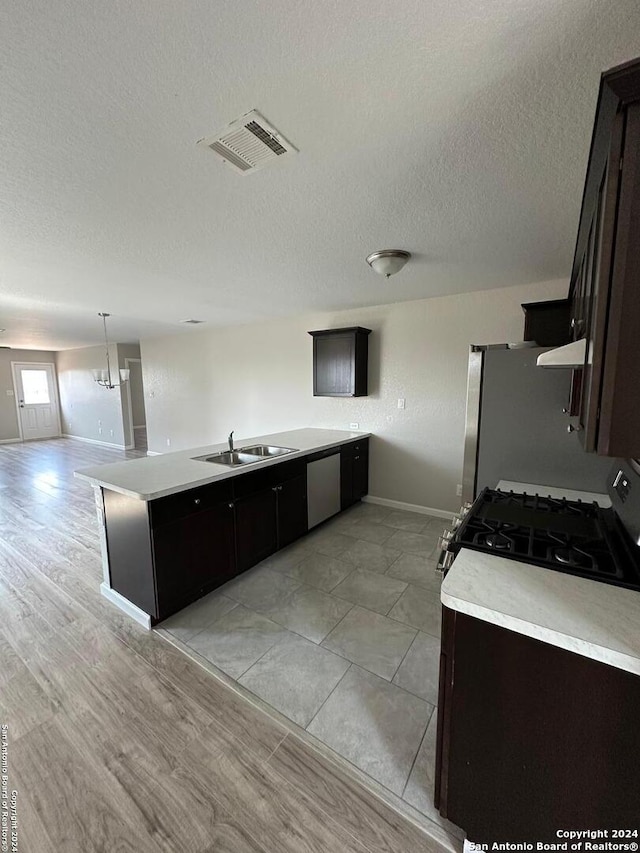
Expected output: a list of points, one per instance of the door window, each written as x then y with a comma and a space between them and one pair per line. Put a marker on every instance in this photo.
35, 386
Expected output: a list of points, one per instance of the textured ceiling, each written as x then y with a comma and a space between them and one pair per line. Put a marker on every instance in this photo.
459, 131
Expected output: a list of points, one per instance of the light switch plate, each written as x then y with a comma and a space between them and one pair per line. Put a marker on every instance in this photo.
9, 392
401, 403
354, 426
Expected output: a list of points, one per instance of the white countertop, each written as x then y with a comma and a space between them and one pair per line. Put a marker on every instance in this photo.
590, 618
554, 492
156, 476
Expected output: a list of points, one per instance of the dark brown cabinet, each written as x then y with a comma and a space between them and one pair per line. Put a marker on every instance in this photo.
202, 545
604, 293
257, 535
532, 738
271, 510
354, 472
547, 323
168, 552
340, 362
291, 510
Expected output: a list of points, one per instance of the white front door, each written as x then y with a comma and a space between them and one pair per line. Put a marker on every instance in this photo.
37, 397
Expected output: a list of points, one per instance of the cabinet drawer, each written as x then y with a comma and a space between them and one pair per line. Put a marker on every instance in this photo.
354, 448
266, 478
173, 507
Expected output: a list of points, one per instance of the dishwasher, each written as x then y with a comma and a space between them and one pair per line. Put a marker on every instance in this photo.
323, 486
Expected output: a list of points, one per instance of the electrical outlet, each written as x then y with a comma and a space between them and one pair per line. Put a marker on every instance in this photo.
99, 430
9, 392
99, 423
354, 426
401, 403
111, 433
168, 442
459, 490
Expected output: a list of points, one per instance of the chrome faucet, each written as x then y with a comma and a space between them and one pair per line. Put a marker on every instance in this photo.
230, 440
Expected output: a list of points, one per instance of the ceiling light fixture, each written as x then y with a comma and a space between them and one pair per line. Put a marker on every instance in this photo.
103, 377
388, 261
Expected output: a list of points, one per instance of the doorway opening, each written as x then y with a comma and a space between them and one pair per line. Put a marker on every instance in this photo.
137, 416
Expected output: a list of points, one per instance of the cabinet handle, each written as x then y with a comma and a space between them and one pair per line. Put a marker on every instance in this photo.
196, 501
230, 506
572, 428
565, 411
576, 323
356, 458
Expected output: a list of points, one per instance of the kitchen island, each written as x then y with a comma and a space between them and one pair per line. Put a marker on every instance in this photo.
173, 527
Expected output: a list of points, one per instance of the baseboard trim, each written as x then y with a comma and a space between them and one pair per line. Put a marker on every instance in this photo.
10, 440
423, 510
153, 453
95, 441
126, 606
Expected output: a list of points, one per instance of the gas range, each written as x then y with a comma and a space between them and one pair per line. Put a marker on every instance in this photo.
575, 537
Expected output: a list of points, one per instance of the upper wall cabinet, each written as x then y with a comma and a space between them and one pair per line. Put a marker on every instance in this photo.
605, 279
547, 323
340, 362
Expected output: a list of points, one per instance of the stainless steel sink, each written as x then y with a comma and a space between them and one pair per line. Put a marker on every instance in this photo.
245, 455
233, 458
266, 450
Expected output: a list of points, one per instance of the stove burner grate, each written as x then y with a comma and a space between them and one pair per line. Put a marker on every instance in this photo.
571, 557
498, 541
567, 536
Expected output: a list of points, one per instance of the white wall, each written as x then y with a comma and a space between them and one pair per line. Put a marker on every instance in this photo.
257, 379
9, 430
83, 402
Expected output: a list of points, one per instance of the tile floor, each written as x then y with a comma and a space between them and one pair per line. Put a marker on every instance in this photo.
340, 632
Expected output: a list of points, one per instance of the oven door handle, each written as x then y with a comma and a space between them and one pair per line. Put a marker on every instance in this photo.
444, 562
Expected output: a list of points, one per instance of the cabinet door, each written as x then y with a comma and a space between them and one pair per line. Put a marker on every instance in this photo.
526, 754
256, 528
192, 555
360, 472
334, 365
354, 472
292, 510
346, 476
619, 405
594, 290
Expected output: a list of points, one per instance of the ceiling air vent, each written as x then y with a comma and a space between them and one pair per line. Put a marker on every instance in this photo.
248, 143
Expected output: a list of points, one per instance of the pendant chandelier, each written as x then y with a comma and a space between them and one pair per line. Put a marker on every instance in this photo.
103, 377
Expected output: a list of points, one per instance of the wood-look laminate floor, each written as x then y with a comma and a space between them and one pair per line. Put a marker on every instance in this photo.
118, 742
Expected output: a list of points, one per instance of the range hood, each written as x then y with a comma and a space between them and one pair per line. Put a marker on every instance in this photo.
570, 355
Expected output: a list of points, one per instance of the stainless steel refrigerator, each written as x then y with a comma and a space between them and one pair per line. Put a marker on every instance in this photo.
516, 428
